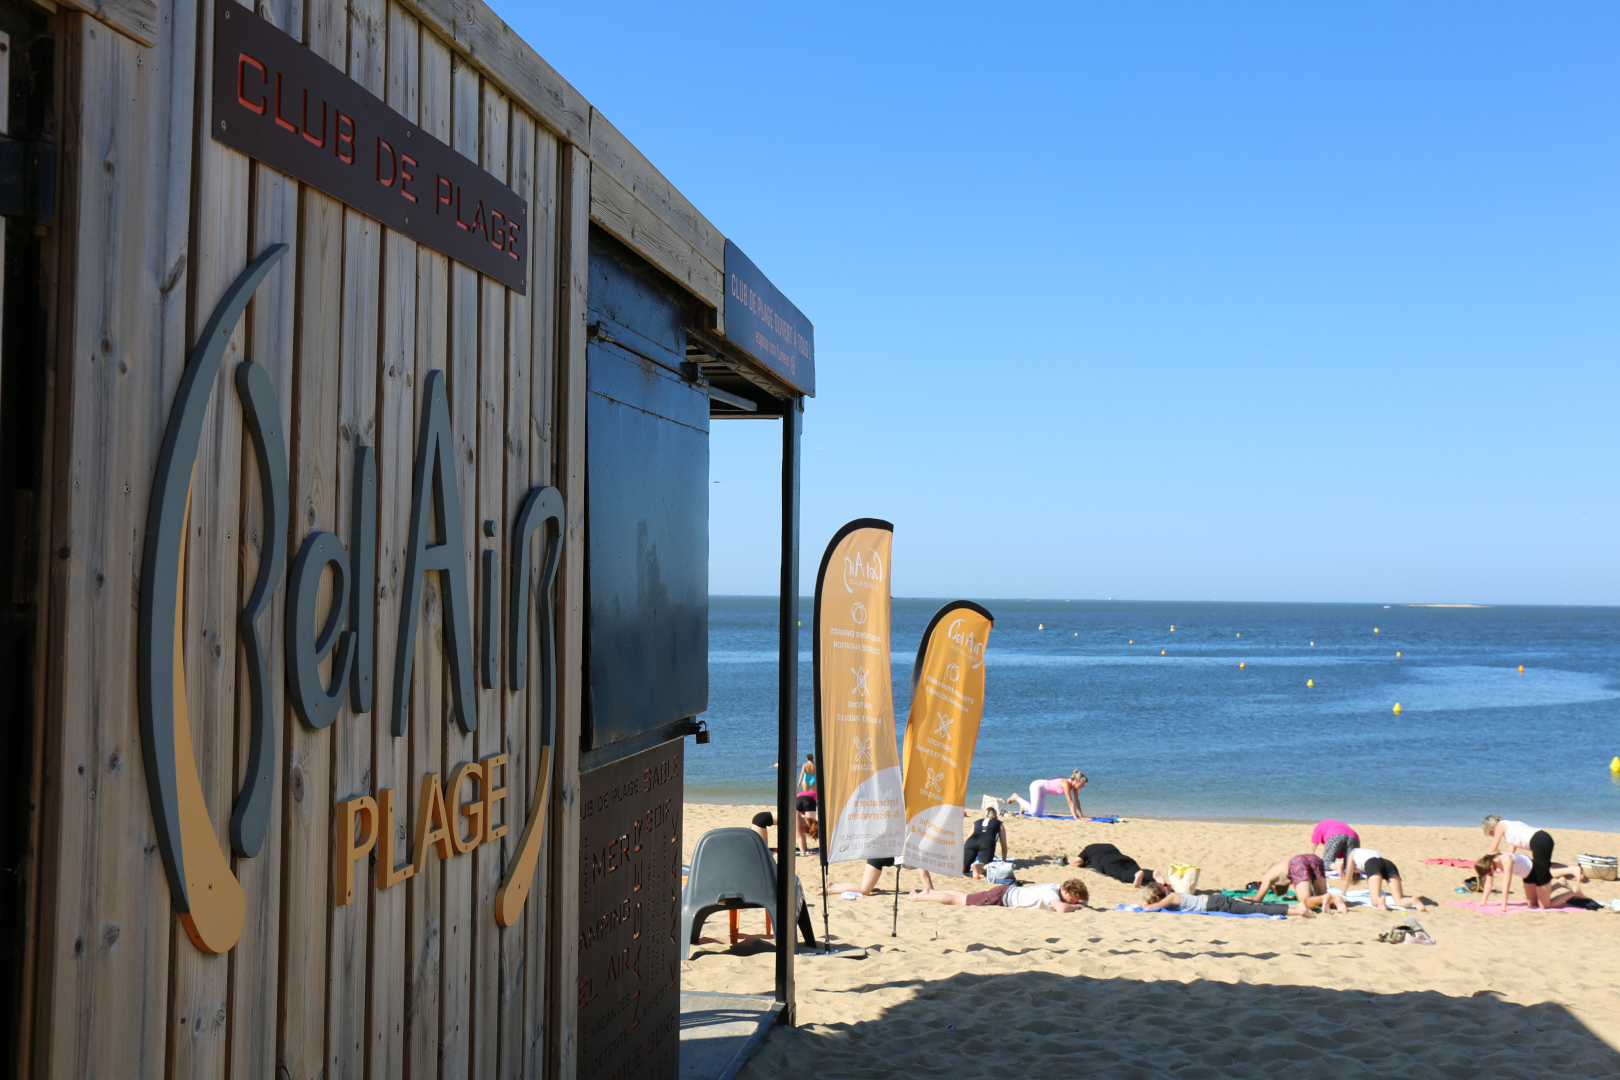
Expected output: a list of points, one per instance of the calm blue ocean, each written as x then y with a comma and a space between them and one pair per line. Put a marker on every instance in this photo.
1192, 735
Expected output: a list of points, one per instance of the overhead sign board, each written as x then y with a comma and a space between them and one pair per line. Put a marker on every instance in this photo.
278, 102
766, 325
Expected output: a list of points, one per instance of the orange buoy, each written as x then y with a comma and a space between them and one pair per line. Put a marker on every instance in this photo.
1241, 664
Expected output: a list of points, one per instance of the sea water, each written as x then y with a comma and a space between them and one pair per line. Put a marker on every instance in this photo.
1082, 684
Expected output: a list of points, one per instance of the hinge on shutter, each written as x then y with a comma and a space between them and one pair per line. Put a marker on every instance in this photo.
28, 180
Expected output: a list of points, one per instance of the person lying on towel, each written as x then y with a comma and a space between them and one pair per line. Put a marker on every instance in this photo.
1070, 896
1160, 896
1108, 861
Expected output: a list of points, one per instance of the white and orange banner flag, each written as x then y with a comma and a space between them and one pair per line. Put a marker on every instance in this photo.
947, 702
858, 784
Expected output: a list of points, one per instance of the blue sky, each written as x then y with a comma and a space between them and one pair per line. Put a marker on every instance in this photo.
1247, 302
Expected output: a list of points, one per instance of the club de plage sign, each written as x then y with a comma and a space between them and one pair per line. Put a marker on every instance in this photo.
277, 102
206, 895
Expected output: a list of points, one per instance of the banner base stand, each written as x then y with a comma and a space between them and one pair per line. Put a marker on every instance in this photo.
836, 952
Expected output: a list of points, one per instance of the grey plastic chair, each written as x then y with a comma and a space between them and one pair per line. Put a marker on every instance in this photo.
731, 869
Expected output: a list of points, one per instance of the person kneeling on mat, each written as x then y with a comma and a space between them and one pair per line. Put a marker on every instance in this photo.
869, 880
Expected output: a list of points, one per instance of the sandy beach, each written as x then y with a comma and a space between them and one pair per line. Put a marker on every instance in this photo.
993, 992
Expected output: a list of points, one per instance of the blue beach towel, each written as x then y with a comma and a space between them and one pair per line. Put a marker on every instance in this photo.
1071, 817
1138, 909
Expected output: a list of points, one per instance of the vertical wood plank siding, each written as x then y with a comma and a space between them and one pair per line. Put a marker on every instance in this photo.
158, 220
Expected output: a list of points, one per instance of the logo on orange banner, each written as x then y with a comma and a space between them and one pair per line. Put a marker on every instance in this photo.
947, 702
858, 784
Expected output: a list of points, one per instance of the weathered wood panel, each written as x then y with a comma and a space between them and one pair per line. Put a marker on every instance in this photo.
425, 926
573, 262
416, 979
199, 981
137, 18
105, 924
479, 34
616, 209
615, 154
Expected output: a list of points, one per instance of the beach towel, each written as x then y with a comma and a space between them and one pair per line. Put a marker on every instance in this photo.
1270, 897
1071, 817
1466, 864
1106, 820
1364, 897
1515, 907
1138, 909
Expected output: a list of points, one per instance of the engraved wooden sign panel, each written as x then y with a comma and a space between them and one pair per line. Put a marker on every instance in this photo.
629, 916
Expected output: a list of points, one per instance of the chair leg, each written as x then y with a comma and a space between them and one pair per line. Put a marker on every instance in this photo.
768, 930
733, 914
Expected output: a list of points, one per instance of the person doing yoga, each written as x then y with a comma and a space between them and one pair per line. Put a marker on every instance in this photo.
869, 880
1521, 837
1108, 861
1070, 896
1367, 863
1309, 878
1512, 865
808, 827
1333, 840
1161, 896
1035, 805
980, 847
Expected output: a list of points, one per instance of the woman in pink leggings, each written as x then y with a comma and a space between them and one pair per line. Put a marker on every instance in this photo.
1035, 805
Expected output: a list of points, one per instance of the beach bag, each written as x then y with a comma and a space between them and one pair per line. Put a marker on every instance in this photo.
990, 802
1600, 867
1407, 932
1183, 879
1471, 884
999, 872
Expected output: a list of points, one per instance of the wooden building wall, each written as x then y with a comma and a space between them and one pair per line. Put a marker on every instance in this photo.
156, 221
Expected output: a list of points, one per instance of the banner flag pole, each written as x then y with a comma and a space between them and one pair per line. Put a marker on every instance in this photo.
859, 799
942, 729
894, 931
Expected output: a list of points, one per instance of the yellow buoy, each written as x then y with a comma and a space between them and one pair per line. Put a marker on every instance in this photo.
1241, 664
1397, 707
1397, 654
1161, 652
1614, 766
1310, 682
1313, 644
1172, 629
1375, 629
1521, 669
1131, 642
1240, 635
1040, 626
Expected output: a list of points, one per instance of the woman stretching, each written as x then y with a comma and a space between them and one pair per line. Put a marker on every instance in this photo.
1513, 865
980, 848
808, 827
1035, 805
1367, 863
1108, 861
1521, 837
1333, 840
1159, 896
1309, 878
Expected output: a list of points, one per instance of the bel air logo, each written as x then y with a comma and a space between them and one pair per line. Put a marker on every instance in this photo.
207, 896
965, 639
866, 572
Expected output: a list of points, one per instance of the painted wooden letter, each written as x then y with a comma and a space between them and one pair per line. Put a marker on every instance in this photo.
348, 848
436, 474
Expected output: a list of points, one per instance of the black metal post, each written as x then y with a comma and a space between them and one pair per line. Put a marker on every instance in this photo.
787, 714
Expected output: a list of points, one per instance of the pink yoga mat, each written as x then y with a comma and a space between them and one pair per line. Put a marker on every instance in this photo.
1514, 908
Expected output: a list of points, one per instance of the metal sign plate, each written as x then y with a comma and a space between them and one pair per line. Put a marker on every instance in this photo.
767, 325
280, 103
630, 916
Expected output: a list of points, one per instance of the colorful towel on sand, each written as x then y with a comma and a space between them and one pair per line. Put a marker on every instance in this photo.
1514, 907
1466, 864
1270, 897
1071, 817
1137, 909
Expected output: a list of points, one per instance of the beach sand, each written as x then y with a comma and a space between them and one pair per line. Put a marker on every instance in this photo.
994, 992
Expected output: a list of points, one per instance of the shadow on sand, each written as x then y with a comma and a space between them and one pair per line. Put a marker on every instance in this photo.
1045, 1024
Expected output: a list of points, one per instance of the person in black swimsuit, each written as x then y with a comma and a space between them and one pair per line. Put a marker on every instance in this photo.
808, 826
981, 846
1107, 860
